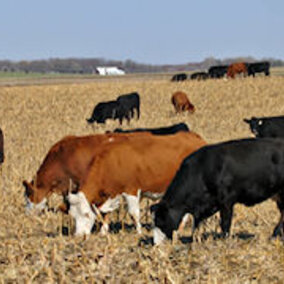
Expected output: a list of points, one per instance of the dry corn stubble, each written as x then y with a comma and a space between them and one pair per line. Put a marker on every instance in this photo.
32, 250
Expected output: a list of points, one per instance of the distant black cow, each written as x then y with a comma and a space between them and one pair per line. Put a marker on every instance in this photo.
218, 71
267, 126
158, 131
1, 147
108, 110
179, 77
258, 67
199, 76
129, 103
216, 177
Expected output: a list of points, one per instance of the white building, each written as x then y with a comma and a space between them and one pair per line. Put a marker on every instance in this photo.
109, 71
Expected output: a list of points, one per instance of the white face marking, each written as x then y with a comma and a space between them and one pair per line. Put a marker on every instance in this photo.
110, 205
158, 236
38, 207
110, 139
134, 208
260, 122
81, 211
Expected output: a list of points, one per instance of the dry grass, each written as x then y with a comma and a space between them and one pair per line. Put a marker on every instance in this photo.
31, 248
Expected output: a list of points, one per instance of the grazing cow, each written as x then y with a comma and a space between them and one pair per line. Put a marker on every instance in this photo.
104, 111
130, 169
179, 77
67, 160
237, 68
199, 76
157, 131
216, 177
130, 102
217, 72
258, 67
182, 103
267, 126
1, 147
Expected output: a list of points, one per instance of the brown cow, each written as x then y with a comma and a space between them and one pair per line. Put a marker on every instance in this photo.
67, 160
237, 68
131, 169
1, 147
182, 103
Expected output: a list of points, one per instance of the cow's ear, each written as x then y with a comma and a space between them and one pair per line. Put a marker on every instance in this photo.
64, 207
247, 120
154, 208
161, 209
28, 188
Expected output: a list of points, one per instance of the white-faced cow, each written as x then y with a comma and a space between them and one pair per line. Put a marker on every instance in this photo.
130, 169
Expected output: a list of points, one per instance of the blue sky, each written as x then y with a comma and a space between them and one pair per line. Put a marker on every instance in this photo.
148, 31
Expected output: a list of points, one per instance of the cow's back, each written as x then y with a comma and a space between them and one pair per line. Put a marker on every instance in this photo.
71, 157
233, 165
179, 98
148, 163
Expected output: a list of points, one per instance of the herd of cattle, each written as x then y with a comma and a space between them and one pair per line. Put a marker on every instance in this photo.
215, 72
126, 105
95, 173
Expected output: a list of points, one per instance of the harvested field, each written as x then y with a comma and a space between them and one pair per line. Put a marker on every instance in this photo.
32, 248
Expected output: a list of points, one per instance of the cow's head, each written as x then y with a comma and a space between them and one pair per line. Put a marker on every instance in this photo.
82, 212
98, 116
165, 221
255, 125
35, 198
190, 107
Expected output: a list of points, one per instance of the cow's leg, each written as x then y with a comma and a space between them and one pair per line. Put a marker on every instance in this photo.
138, 113
128, 118
105, 224
226, 214
120, 120
133, 208
279, 228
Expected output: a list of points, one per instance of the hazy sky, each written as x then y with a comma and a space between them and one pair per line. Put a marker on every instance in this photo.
148, 31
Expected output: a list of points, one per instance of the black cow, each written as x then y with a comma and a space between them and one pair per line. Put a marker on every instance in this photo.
258, 67
267, 126
179, 77
216, 177
158, 131
108, 110
129, 103
218, 71
199, 76
1, 147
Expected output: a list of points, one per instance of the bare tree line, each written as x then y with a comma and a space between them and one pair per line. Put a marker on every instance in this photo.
88, 66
